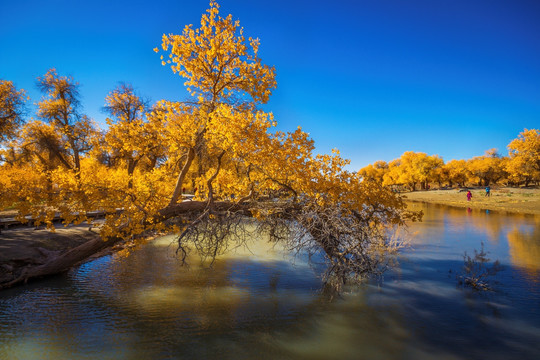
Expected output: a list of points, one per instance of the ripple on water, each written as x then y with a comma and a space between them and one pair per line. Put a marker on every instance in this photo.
255, 304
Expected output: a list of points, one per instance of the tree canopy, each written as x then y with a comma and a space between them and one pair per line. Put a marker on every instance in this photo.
524, 162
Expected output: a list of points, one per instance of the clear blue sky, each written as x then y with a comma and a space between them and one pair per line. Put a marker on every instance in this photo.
372, 78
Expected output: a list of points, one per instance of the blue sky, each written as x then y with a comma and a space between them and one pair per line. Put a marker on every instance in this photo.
371, 78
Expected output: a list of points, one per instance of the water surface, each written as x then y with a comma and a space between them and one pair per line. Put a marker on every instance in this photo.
258, 303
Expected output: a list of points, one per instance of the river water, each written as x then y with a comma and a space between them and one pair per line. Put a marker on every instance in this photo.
258, 303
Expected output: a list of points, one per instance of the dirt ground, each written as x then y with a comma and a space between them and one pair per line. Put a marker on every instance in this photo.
513, 200
21, 245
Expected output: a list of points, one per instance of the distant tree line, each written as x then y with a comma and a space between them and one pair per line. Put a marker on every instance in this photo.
419, 171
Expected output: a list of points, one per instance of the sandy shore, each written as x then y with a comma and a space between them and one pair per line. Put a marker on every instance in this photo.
513, 200
26, 246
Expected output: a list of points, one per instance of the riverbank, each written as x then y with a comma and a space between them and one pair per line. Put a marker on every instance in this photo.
512, 200
27, 246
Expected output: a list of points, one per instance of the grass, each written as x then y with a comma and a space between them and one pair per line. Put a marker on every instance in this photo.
513, 200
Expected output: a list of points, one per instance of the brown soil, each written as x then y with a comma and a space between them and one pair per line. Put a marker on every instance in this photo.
21, 246
513, 200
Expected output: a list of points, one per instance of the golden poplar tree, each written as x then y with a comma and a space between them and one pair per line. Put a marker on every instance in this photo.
227, 80
130, 138
60, 107
242, 167
487, 169
375, 171
524, 152
457, 172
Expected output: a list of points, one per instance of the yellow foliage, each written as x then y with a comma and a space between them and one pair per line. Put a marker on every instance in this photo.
524, 162
216, 61
487, 169
412, 169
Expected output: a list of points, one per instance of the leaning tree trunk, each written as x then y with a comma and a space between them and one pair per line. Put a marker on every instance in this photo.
179, 183
63, 262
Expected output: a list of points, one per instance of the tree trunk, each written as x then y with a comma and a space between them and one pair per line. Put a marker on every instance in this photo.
178, 188
60, 263
130, 170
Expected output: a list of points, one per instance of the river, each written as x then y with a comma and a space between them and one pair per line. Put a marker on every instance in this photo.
258, 303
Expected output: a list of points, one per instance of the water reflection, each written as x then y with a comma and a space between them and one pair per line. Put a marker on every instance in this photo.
520, 232
524, 246
256, 303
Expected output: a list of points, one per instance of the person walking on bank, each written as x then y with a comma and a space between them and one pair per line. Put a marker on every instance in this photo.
469, 195
488, 193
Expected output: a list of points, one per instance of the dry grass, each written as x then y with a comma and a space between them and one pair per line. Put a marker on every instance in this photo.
513, 200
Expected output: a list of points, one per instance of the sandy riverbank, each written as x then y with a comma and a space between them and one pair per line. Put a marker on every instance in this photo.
513, 200
26, 242
26, 246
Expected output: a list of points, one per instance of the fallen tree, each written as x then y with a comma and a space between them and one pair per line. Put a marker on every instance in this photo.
353, 244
